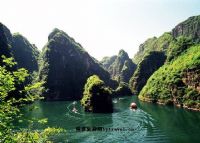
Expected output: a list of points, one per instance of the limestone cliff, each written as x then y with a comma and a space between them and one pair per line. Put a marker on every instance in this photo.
25, 54
66, 67
145, 69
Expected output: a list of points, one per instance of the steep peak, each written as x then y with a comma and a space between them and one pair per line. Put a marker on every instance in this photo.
62, 38
123, 55
5, 33
18, 36
25, 53
57, 32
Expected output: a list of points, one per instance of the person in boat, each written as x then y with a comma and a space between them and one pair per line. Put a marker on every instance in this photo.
74, 110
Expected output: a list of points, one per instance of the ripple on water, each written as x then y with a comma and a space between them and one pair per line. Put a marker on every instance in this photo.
142, 125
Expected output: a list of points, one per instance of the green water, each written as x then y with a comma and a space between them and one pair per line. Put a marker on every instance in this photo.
149, 123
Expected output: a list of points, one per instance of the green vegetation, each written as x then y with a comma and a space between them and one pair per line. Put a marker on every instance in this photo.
173, 82
97, 97
10, 105
178, 46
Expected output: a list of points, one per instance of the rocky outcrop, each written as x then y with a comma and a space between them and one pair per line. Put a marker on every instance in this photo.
19, 48
108, 61
5, 42
66, 67
188, 28
96, 96
145, 69
25, 54
120, 67
162, 43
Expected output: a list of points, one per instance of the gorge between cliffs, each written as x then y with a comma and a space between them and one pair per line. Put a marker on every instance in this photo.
63, 94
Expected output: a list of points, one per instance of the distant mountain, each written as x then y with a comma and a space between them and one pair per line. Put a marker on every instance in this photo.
25, 54
66, 67
120, 67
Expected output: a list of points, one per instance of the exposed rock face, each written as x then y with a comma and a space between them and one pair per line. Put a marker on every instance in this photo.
191, 78
5, 42
19, 48
120, 67
145, 69
108, 61
25, 54
188, 28
66, 67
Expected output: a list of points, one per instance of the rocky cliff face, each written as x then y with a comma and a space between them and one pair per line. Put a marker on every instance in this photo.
25, 54
7, 45
66, 67
120, 67
162, 43
5, 42
108, 61
191, 78
176, 82
145, 69
172, 44
188, 28
19, 48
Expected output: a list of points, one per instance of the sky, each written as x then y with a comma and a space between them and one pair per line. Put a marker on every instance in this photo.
102, 27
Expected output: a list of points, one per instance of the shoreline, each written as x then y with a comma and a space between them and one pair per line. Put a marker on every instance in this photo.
162, 103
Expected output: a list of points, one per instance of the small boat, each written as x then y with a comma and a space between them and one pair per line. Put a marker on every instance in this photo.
74, 110
133, 106
114, 101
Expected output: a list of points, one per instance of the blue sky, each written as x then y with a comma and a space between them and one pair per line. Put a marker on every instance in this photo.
102, 27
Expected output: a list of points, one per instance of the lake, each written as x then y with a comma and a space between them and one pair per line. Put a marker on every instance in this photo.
150, 123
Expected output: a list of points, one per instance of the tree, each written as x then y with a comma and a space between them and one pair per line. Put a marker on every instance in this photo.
10, 105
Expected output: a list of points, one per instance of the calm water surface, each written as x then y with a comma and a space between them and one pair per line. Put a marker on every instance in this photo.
149, 123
